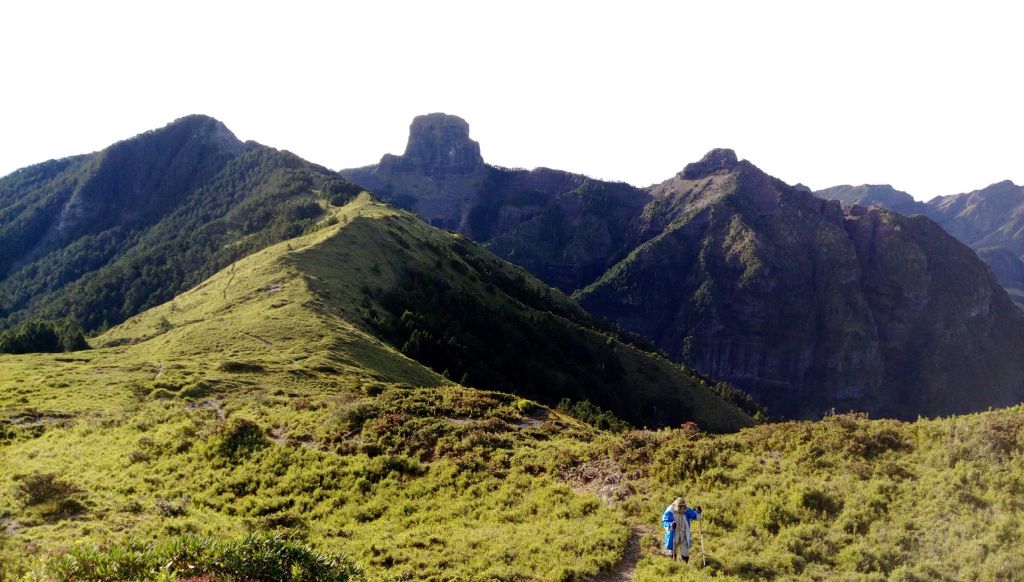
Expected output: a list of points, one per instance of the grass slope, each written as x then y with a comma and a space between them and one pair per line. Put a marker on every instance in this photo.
263, 399
845, 498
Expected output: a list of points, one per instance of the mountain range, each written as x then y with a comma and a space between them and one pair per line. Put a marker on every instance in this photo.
803, 304
264, 425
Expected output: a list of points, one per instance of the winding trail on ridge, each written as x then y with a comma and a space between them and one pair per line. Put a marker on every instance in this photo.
623, 571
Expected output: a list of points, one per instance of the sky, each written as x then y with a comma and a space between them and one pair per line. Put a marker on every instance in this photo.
926, 96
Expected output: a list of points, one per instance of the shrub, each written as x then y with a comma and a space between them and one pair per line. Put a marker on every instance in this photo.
816, 501
236, 438
593, 415
256, 558
999, 435
526, 406
682, 460
353, 415
161, 394
43, 488
168, 508
372, 388
197, 390
240, 367
636, 448
55, 496
765, 512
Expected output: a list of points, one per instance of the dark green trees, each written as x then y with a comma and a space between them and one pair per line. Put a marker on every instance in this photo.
44, 336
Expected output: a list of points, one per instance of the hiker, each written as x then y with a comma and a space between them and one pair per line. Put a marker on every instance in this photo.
676, 521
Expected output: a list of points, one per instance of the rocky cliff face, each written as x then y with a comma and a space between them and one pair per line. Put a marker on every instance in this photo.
990, 220
439, 146
440, 175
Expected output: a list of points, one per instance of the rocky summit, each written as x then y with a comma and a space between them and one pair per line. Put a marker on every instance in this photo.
439, 146
717, 160
439, 176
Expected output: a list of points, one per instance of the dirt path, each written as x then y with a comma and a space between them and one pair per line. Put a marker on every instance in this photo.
230, 279
623, 571
265, 342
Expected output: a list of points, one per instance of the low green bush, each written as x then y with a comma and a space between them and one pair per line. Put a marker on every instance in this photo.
51, 495
255, 558
236, 437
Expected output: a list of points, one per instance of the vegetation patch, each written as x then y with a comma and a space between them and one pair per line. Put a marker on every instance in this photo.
241, 367
51, 495
43, 336
257, 557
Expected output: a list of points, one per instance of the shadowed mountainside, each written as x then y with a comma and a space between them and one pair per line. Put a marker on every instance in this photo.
810, 307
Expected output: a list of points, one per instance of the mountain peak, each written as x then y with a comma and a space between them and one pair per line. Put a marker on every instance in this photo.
717, 160
205, 128
872, 194
438, 146
1003, 185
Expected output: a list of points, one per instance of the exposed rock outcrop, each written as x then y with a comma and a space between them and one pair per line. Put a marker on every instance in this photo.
715, 161
439, 147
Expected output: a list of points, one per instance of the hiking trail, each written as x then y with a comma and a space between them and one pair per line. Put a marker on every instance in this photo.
623, 571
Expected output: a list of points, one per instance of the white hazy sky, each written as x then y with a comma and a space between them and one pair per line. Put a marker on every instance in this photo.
926, 96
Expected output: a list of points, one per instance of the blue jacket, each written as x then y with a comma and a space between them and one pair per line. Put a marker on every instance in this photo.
681, 532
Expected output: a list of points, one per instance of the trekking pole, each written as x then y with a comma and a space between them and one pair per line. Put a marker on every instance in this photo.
700, 532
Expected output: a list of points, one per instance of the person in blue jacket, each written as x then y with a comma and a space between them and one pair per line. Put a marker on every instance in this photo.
678, 535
